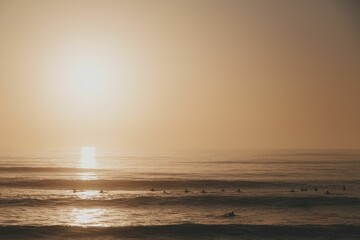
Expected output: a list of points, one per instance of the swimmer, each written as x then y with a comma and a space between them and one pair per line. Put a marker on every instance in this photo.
229, 214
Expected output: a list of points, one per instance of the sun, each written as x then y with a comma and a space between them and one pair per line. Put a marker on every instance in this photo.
87, 74
87, 77
84, 74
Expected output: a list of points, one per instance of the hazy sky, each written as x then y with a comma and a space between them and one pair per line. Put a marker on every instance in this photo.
180, 74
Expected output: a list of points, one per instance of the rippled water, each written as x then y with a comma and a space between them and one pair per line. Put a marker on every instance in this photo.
40, 191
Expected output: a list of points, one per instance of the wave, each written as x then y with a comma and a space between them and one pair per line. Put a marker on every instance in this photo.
43, 169
184, 231
229, 201
127, 184
168, 184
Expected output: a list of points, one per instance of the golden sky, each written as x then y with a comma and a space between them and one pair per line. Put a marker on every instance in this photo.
179, 74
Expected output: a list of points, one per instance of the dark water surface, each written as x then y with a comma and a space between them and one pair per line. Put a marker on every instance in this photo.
37, 199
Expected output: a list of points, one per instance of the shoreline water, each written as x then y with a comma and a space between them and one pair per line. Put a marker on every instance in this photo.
185, 231
42, 200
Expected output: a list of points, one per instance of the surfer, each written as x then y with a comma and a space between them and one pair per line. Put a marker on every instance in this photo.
229, 214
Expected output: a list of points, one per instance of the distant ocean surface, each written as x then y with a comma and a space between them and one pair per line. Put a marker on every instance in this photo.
180, 195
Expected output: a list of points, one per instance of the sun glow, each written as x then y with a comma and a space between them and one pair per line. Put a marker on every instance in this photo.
85, 72
88, 157
87, 77
90, 80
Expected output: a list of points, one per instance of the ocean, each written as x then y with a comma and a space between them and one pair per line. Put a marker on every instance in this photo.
91, 193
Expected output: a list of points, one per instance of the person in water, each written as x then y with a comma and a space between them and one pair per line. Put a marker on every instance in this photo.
344, 188
203, 191
186, 190
315, 189
327, 192
229, 214
223, 190
152, 189
238, 190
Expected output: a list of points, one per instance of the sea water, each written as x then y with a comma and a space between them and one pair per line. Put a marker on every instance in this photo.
89, 192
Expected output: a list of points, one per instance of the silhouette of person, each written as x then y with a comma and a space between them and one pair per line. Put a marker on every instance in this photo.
229, 214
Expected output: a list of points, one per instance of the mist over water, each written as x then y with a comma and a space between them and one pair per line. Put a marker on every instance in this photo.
53, 189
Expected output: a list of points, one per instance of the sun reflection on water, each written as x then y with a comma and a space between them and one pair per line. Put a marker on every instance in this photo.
88, 157
87, 176
88, 217
87, 194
